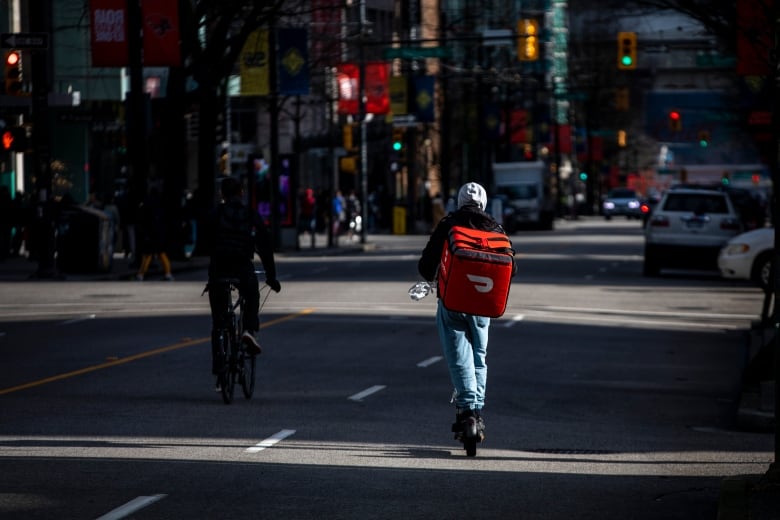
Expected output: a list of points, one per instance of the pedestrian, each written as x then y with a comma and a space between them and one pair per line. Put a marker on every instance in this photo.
307, 219
151, 221
234, 233
464, 337
338, 213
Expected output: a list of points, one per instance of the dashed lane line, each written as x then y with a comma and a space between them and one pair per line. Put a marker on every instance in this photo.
428, 362
131, 507
365, 393
270, 441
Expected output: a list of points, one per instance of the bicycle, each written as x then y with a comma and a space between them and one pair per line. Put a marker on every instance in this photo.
238, 366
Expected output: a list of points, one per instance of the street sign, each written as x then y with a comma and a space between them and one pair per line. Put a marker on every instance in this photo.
24, 40
415, 52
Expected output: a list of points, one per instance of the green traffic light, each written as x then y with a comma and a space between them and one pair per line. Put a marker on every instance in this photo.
397, 146
583, 176
703, 143
626, 61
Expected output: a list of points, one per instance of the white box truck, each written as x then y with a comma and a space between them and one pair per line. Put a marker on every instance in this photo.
524, 189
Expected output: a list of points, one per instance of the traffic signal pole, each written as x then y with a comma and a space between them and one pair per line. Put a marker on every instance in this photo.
40, 21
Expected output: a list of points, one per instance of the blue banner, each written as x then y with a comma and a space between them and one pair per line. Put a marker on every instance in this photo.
293, 62
423, 98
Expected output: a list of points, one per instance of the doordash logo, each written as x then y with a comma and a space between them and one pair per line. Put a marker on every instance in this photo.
482, 284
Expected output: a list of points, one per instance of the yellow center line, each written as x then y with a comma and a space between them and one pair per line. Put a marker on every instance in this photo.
136, 357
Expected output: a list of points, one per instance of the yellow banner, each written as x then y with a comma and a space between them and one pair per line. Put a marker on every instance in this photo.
399, 97
254, 65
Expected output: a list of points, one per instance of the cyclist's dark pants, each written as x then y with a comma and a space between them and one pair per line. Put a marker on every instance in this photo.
248, 288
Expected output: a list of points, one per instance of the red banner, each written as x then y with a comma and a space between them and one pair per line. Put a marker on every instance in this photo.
161, 33
348, 78
377, 89
754, 29
109, 33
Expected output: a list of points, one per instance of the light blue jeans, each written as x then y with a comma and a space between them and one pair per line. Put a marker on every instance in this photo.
464, 339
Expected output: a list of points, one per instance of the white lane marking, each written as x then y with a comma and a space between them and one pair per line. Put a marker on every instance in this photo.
131, 507
428, 362
365, 393
76, 320
515, 319
270, 441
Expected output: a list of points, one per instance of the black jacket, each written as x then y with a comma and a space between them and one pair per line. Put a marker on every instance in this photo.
468, 216
234, 234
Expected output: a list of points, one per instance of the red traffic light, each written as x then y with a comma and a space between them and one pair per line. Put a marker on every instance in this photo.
12, 58
8, 140
14, 139
674, 115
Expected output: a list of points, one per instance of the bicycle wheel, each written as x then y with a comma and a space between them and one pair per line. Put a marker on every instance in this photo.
228, 375
247, 374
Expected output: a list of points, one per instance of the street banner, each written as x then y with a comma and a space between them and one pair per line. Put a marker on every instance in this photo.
377, 90
377, 95
325, 23
254, 65
348, 77
424, 91
162, 38
108, 33
520, 127
293, 62
491, 120
399, 95
754, 30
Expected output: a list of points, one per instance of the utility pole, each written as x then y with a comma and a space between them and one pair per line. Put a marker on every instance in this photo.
137, 145
363, 128
774, 468
40, 21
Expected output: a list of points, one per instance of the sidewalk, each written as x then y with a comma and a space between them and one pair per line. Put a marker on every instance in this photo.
20, 268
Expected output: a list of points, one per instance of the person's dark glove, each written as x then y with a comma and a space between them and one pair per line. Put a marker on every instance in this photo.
274, 285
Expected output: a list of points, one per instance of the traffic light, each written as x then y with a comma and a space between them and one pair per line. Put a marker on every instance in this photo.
398, 139
528, 40
704, 138
675, 121
626, 57
14, 139
622, 99
583, 176
725, 179
348, 137
13, 73
622, 138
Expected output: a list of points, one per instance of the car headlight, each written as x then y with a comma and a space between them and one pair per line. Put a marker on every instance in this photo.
736, 249
609, 205
633, 204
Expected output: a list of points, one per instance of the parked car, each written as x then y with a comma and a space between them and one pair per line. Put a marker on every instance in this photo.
621, 201
687, 229
749, 256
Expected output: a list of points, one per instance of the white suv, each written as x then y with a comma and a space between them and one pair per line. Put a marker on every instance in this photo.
688, 228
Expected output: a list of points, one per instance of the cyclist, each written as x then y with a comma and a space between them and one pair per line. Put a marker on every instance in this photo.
235, 234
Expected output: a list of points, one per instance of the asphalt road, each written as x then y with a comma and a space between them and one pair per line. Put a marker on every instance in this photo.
610, 395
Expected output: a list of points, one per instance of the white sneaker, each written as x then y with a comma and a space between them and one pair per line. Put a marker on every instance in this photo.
252, 346
168, 277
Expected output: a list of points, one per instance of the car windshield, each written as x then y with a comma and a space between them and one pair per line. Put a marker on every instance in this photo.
622, 194
696, 203
519, 191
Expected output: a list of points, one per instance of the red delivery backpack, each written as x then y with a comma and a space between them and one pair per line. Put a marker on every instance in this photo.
475, 271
